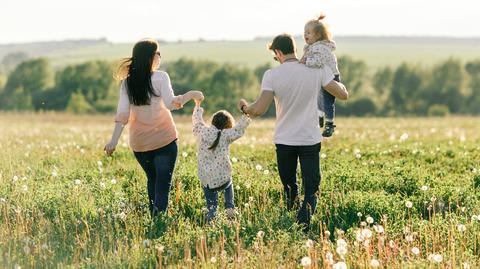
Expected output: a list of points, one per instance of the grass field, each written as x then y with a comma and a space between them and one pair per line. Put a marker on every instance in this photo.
375, 51
397, 193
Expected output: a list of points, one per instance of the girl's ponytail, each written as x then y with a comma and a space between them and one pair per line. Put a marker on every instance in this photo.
215, 143
321, 17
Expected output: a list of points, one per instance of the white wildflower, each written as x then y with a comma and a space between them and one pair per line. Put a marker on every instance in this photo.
342, 250
15, 178
424, 188
403, 137
438, 258
415, 250
213, 259
374, 263
359, 214
306, 261
367, 233
329, 257
102, 185
408, 204
340, 265
77, 182
113, 181
461, 228
358, 155
260, 234
258, 167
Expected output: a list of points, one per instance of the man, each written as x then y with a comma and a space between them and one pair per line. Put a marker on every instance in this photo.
297, 136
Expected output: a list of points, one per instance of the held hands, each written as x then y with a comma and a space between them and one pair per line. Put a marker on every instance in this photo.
177, 102
198, 97
110, 148
241, 105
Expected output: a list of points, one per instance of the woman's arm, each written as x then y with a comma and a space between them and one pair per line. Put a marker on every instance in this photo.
169, 99
121, 119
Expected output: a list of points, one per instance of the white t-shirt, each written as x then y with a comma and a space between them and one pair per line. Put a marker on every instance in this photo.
295, 88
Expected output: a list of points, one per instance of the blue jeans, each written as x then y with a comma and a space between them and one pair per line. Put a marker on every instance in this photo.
158, 164
287, 159
212, 200
326, 102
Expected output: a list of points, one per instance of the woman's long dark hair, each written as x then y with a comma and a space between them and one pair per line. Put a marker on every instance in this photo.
221, 120
137, 71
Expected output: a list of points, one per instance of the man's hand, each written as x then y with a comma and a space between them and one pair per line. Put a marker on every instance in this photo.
241, 104
110, 148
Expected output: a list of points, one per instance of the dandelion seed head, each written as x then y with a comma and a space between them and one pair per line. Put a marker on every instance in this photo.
340, 265
403, 137
77, 181
309, 243
369, 220
184, 154
260, 234
213, 259
266, 172
415, 250
438, 258
374, 263
342, 250
408, 204
424, 188
234, 160
461, 228
258, 167
306, 261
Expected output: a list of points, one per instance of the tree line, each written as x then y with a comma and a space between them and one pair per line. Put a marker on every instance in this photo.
406, 90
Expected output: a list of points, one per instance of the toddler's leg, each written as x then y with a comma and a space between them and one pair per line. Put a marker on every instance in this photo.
212, 201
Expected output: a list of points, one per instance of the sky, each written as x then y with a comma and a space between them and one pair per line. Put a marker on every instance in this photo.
128, 21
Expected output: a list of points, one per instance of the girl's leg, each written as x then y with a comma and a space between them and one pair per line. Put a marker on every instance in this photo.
229, 197
164, 160
146, 162
212, 201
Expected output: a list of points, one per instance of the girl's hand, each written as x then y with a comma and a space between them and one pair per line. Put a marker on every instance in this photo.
198, 102
110, 148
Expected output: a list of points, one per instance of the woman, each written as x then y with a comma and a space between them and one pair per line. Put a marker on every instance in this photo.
146, 98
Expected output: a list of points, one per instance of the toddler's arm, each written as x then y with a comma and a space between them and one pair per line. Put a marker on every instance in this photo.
238, 130
318, 57
197, 119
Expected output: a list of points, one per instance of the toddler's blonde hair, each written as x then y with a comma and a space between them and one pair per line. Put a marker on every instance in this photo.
320, 28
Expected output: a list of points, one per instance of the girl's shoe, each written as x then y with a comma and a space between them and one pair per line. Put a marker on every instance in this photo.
329, 129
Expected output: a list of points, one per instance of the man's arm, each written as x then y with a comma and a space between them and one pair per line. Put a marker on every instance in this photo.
337, 89
259, 107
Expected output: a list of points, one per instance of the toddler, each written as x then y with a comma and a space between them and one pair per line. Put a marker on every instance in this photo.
318, 52
214, 167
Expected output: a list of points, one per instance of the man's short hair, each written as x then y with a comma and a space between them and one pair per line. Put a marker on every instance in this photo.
284, 43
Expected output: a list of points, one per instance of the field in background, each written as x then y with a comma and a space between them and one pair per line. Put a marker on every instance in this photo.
395, 193
375, 51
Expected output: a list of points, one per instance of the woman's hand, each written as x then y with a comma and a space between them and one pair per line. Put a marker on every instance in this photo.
110, 147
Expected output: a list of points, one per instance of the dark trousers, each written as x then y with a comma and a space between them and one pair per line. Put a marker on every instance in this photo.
309, 156
212, 199
158, 164
327, 104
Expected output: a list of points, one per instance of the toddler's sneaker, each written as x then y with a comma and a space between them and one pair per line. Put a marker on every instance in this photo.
329, 129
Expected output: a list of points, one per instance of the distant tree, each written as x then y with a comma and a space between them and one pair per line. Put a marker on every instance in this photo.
406, 91
32, 77
353, 73
446, 85
17, 99
473, 70
94, 80
382, 84
11, 60
260, 70
78, 104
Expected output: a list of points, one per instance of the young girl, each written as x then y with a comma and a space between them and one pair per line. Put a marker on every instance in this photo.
214, 167
318, 52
